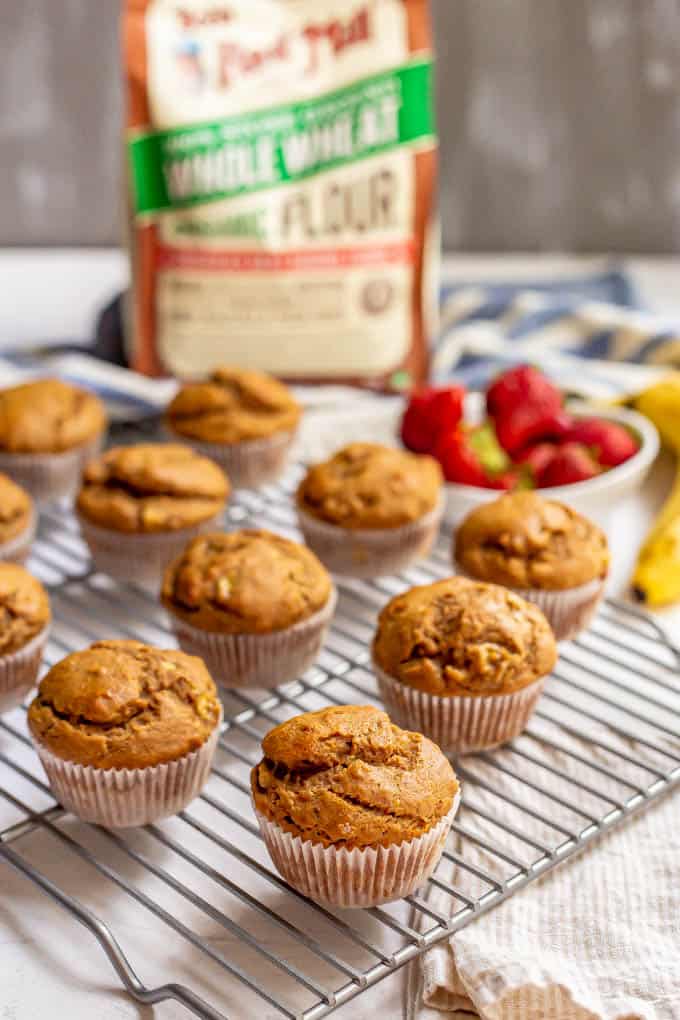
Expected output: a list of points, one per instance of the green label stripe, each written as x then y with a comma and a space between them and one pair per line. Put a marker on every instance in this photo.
187, 166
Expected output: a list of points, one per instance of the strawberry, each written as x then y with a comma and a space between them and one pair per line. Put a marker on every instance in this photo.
527, 407
416, 430
529, 422
518, 387
430, 412
611, 443
572, 462
537, 457
459, 461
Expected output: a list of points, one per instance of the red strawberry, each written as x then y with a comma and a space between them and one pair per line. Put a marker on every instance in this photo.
459, 461
416, 431
611, 443
536, 458
530, 422
520, 386
430, 412
571, 463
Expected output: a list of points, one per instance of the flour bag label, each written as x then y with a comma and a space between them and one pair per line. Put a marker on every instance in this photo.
282, 169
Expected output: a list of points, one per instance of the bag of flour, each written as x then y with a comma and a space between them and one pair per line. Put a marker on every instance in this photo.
282, 173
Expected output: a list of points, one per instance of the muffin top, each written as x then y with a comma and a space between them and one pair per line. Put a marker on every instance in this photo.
123, 704
365, 485
233, 405
463, 637
16, 509
24, 607
48, 416
525, 541
245, 582
151, 487
348, 777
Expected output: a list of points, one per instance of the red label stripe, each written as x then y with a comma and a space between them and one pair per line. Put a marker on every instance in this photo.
227, 261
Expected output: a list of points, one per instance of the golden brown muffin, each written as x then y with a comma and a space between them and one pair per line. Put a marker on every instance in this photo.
151, 487
463, 637
347, 777
232, 406
524, 541
252, 582
365, 485
123, 704
48, 416
24, 607
16, 509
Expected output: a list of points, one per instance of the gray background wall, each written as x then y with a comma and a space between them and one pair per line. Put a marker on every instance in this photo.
560, 123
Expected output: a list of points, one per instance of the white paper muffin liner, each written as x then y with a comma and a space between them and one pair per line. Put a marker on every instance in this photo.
19, 671
568, 611
459, 723
16, 549
258, 660
370, 553
249, 463
139, 558
123, 798
338, 877
50, 476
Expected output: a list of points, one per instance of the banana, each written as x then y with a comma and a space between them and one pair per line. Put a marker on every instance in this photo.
661, 404
656, 580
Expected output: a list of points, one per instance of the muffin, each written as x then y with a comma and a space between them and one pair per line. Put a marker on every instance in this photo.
462, 661
244, 420
126, 733
371, 510
254, 605
353, 810
24, 626
48, 430
543, 550
17, 521
139, 505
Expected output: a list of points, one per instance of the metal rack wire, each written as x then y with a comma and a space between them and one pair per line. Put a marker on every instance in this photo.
604, 742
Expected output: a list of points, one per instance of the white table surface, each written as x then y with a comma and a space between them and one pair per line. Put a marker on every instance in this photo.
49, 966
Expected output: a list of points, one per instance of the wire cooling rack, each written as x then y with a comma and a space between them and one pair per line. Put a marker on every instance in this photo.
230, 939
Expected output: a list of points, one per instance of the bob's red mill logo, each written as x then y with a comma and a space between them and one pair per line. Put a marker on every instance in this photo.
334, 35
199, 19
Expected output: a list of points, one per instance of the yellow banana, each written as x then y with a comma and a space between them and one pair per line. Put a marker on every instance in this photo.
657, 575
661, 404
656, 580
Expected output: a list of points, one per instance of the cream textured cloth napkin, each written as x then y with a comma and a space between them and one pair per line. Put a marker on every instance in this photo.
597, 939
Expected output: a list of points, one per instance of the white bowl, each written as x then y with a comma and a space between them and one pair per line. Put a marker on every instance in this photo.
596, 498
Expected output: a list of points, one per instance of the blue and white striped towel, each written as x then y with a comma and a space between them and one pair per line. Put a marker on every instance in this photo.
555, 324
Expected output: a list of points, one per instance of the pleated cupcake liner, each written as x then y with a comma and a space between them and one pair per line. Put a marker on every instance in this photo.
139, 558
459, 723
249, 463
17, 549
19, 671
370, 553
258, 660
568, 611
337, 877
124, 798
50, 476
